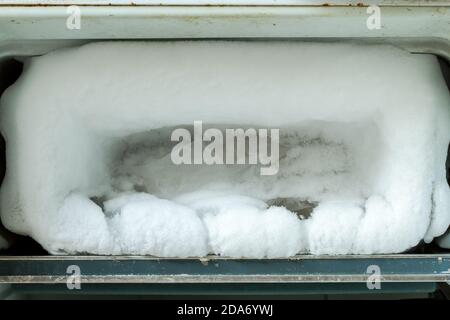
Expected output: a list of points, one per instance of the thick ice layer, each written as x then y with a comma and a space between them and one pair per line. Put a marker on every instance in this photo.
364, 132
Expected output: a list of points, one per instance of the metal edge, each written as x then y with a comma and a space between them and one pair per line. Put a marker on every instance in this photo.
221, 258
204, 279
229, 3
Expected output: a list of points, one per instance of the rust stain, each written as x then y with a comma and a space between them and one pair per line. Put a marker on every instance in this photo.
359, 4
135, 4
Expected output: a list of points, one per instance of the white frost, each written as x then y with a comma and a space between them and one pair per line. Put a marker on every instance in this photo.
364, 132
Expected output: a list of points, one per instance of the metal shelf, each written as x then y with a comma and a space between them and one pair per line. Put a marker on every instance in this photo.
300, 269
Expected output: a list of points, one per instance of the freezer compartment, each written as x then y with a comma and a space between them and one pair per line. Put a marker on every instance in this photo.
428, 36
125, 172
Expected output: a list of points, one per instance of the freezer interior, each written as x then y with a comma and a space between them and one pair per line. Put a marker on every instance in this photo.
197, 148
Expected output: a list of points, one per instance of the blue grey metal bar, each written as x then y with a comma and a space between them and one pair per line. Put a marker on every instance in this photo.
299, 269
